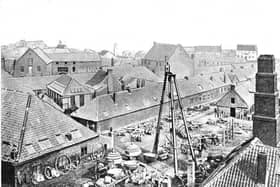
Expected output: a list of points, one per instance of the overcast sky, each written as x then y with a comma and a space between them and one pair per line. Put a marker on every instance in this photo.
135, 24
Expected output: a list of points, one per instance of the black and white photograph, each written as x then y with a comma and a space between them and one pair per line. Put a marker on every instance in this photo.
140, 93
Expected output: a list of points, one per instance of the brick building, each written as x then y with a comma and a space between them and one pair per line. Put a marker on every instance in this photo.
180, 62
266, 118
36, 137
53, 61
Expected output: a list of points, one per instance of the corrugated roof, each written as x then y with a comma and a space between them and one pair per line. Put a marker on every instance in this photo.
159, 51
240, 166
241, 47
43, 123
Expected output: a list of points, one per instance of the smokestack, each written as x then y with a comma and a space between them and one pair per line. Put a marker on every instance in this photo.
266, 115
261, 169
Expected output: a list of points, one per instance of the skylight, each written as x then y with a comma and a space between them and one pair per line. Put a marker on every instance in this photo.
60, 138
45, 143
76, 133
30, 149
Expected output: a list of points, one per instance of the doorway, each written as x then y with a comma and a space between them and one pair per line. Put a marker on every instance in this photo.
232, 112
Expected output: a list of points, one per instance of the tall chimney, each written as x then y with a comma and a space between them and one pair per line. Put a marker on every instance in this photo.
261, 177
266, 125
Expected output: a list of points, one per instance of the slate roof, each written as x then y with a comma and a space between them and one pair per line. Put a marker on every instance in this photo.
103, 107
240, 166
246, 47
225, 101
66, 86
43, 123
159, 51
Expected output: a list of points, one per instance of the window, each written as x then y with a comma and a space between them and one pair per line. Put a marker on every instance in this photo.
65, 62
232, 100
30, 61
74, 62
44, 143
30, 149
56, 62
38, 68
72, 98
62, 69
83, 150
82, 100
22, 68
59, 138
73, 69
93, 95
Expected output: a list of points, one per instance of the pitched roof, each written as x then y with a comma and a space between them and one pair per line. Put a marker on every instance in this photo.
246, 47
159, 51
104, 107
29, 84
123, 72
44, 124
66, 85
65, 54
240, 166
225, 101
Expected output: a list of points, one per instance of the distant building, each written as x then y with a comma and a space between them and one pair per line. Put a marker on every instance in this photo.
180, 62
53, 61
233, 103
36, 139
247, 52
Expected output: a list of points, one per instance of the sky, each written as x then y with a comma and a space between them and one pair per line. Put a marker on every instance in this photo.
136, 24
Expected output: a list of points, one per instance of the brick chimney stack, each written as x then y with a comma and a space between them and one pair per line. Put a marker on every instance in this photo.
266, 125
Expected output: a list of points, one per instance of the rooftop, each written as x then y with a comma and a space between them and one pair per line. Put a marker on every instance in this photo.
66, 85
160, 50
105, 106
240, 166
241, 47
45, 127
